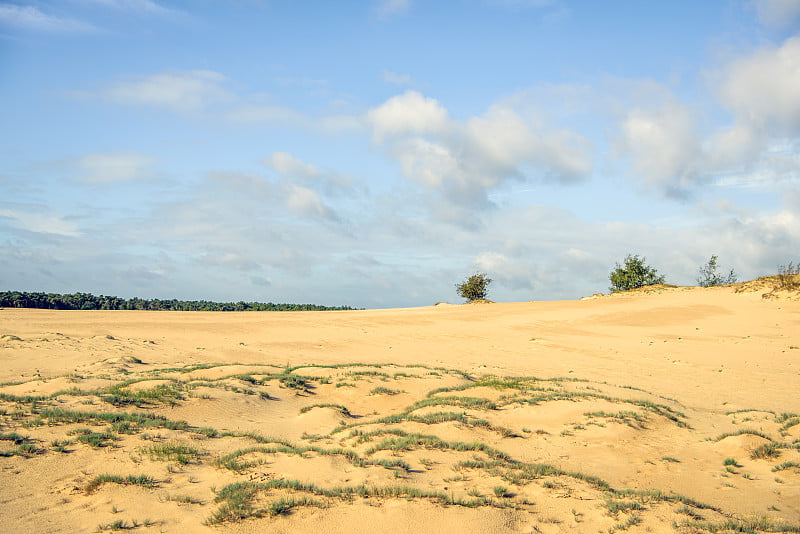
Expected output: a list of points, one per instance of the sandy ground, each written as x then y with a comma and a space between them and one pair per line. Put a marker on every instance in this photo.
670, 409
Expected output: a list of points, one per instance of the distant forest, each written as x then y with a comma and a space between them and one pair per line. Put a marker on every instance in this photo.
87, 301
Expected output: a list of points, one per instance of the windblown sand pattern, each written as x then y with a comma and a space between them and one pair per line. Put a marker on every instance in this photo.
668, 410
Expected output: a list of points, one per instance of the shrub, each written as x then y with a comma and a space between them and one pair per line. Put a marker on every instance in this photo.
787, 276
635, 273
474, 287
710, 275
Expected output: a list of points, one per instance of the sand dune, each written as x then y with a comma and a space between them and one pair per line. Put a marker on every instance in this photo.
661, 410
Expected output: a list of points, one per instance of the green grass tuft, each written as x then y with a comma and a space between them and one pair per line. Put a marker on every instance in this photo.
172, 451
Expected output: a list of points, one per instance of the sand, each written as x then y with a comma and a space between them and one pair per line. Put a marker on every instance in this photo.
661, 410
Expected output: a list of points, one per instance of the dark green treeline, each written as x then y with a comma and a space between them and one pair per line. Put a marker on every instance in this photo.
87, 301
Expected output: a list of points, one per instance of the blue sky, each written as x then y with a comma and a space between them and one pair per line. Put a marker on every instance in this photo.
374, 153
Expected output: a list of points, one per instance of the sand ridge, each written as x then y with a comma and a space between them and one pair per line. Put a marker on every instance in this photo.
672, 409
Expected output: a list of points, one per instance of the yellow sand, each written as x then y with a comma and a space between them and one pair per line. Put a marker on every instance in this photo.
646, 386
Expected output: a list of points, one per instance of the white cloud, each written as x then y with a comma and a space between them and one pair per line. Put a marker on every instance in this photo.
294, 169
516, 274
115, 167
182, 91
675, 147
463, 160
431, 164
285, 163
30, 17
305, 201
664, 146
388, 8
763, 89
43, 223
407, 113
777, 13
505, 140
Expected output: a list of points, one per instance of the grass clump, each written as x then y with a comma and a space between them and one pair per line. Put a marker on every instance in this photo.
742, 432
284, 505
172, 451
121, 395
752, 525
786, 465
129, 480
119, 524
614, 506
237, 503
338, 407
767, 450
633, 520
629, 417
380, 390
26, 450
500, 491
95, 439
14, 437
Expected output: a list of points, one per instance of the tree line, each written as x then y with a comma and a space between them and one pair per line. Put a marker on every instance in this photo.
87, 301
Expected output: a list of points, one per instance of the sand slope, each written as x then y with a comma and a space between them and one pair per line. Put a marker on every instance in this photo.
670, 409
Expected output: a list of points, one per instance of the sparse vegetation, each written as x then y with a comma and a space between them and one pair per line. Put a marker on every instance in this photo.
381, 440
500, 491
711, 276
474, 288
96, 439
337, 407
786, 465
633, 274
788, 276
172, 451
135, 480
767, 450
380, 390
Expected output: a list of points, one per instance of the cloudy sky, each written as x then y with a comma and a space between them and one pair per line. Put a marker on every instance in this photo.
374, 153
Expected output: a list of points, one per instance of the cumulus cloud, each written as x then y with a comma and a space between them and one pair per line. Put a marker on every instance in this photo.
762, 89
463, 160
670, 147
761, 92
505, 140
663, 145
32, 18
407, 113
115, 167
181, 91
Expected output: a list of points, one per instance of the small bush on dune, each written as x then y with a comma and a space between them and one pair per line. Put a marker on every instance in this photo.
635, 273
710, 275
787, 276
474, 288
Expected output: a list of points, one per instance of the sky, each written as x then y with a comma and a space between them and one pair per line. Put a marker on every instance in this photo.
375, 153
